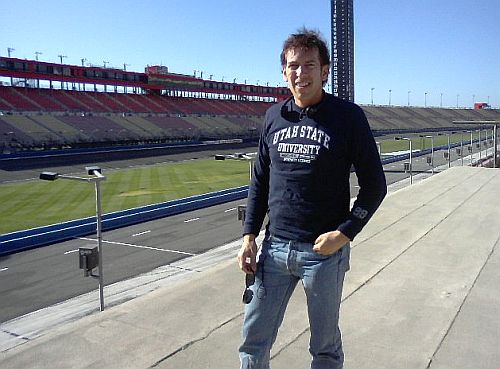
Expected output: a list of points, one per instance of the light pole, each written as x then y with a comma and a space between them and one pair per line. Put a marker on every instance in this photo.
9, 50
449, 147
462, 147
251, 160
410, 164
409, 97
457, 99
479, 145
373, 88
471, 148
486, 141
431, 161
390, 92
441, 103
495, 138
494, 124
425, 99
36, 58
96, 179
62, 73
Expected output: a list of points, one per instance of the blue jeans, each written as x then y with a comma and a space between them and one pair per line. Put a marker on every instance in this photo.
280, 266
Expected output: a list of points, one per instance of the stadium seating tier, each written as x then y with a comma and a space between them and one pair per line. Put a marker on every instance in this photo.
32, 117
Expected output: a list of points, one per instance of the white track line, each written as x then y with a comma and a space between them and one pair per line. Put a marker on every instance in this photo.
141, 233
139, 247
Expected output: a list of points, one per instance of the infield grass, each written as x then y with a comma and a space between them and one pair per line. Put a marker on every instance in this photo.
37, 203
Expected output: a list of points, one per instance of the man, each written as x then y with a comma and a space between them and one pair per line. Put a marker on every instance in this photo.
301, 181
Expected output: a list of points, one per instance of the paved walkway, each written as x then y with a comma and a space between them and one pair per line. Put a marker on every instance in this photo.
423, 292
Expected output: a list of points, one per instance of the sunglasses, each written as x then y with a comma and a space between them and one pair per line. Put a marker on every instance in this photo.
248, 294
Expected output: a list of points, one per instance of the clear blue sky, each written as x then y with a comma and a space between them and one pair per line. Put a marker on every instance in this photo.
449, 46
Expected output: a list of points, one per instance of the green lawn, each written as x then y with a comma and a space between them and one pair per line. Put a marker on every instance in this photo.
36, 203
389, 144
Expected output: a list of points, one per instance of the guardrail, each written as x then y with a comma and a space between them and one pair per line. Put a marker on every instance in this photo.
18, 241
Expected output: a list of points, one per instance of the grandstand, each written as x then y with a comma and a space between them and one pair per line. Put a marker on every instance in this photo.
157, 107
37, 118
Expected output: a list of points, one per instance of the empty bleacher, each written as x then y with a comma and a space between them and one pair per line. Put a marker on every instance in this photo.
13, 138
23, 99
32, 117
408, 118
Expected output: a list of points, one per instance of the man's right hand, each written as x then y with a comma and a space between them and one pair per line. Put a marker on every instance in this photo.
247, 256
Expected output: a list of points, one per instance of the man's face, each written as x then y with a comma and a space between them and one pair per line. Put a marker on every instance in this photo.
305, 75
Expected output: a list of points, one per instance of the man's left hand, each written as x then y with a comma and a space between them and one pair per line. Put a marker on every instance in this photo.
330, 242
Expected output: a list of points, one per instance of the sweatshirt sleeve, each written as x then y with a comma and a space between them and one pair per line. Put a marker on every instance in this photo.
258, 193
370, 173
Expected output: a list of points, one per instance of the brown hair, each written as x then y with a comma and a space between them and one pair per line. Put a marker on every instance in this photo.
307, 39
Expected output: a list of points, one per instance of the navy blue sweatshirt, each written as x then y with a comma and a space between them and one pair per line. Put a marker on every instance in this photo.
301, 174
